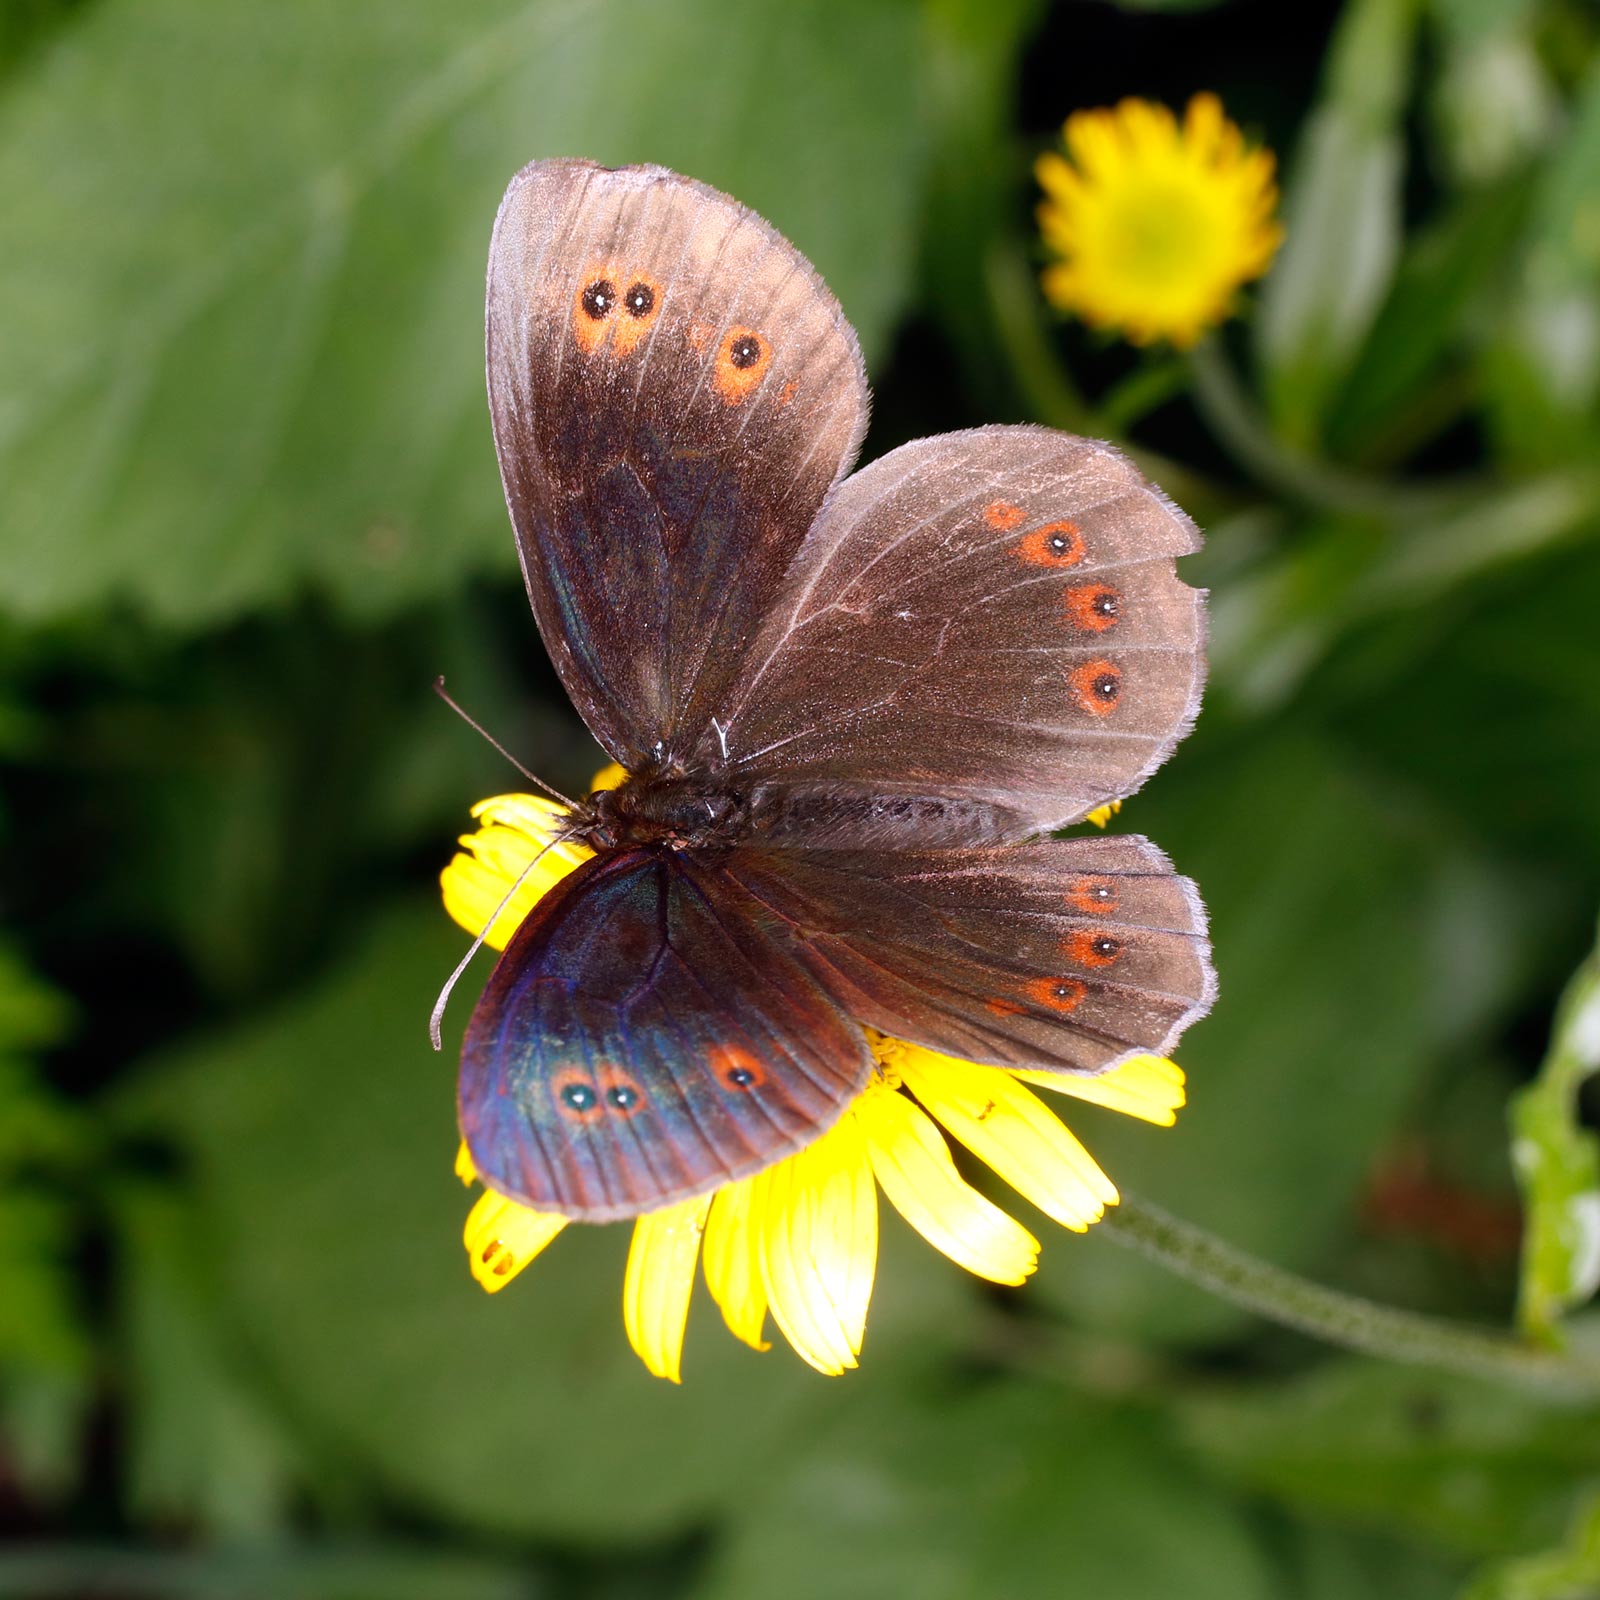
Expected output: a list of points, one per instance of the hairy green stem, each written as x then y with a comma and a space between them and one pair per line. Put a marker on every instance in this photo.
1342, 1319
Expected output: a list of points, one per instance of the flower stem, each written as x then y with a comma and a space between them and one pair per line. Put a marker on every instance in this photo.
1342, 1319
1046, 387
1238, 424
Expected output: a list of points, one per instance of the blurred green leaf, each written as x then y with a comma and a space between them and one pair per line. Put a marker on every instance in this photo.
349, 1570
1543, 362
1494, 104
1407, 384
1571, 1572
203, 1449
1000, 1489
322, 1141
1438, 694
1336, 992
245, 345
1557, 1163
1277, 620
32, 1014
39, 1327
1471, 1466
977, 173
1344, 1564
45, 1351
1342, 217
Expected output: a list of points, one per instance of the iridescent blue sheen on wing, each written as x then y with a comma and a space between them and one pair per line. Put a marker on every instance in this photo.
645, 1037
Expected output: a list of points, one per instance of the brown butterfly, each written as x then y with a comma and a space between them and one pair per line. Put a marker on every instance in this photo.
849, 708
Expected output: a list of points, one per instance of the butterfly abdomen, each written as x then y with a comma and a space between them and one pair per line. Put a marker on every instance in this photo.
839, 815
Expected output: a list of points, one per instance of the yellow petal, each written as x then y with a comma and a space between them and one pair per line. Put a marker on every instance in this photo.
610, 776
732, 1261
466, 1170
818, 1219
912, 1163
660, 1279
1101, 815
502, 1238
1004, 1123
514, 830
1150, 1087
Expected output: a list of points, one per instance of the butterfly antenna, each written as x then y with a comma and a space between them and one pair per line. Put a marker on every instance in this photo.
478, 727
436, 1021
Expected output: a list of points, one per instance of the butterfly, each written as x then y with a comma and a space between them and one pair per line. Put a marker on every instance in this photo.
851, 710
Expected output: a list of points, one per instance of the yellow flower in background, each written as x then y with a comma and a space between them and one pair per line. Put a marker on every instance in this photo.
799, 1241
1156, 225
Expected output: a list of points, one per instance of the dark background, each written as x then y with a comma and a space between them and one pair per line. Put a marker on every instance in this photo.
249, 509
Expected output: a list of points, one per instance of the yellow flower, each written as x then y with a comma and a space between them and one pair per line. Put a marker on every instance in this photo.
1156, 225
799, 1241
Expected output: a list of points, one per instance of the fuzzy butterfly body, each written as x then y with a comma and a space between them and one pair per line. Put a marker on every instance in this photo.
847, 707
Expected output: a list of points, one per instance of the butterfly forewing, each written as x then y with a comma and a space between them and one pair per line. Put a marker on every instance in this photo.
673, 392
991, 617
646, 1036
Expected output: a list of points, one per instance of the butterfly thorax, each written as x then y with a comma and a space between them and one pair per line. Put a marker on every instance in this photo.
672, 809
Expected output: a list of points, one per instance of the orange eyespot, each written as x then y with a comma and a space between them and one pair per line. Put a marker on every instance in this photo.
637, 313
1056, 544
1002, 515
1058, 994
575, 1097
737, 1069
742, 361
615, 308
1092, 894
595, 305
1087, 947
620, 1093
1096, 687
1092, 607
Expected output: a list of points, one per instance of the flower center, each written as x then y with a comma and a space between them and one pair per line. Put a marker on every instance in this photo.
1154, 234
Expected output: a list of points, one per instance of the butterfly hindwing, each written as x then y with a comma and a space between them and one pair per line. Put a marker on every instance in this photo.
1069, 954
991, 618
673, 391
645, 1038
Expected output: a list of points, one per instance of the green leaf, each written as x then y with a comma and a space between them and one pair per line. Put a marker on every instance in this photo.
1470, 1466
1342, 218
324, 1570
978, 175
1543, 359
999, 1488
1571, 1572
1405, 690
1273, 623
244, 342
202, 1449
1557, 1162
45, 1353
1403, 387
322, 1141
1494, 105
